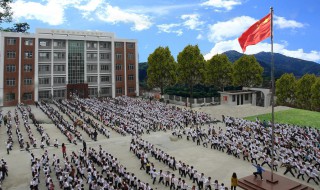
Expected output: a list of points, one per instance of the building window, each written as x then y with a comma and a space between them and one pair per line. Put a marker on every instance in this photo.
44, 68
28, 54
11, 54
92, 45
43, 94
93, 91
59, 93
105, 90
91, 56
118, 67
105, 56
59, 55
105, 45
92, 68
105, 78
233, 98
59, 44
11, 81
118, 56
131, 66
43, 43
119, 78
92, 79
11, 41
44, 80
59, 80
130, 90
28, 42
130, 56
119, 90
10, 97
27, 96
59, 68
130, 77
27, 81
104, 67
130, 45
11, 68
119, 44
27, 67
44, 55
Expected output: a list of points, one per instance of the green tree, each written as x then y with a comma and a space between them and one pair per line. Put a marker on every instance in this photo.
219, 71
191, 65
6, 16
20, 27
247, 71
285, 88
303, 91
5, 13
161, 69
315, 97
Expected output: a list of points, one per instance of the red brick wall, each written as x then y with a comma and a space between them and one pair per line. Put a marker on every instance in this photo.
131, 83
120, 84
27, 88
15, 61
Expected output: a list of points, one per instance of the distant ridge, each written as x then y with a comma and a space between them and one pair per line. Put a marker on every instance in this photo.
283, 64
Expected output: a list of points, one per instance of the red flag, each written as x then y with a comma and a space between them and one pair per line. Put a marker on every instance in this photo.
256, 33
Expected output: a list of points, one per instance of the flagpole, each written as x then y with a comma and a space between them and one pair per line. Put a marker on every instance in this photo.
272, 96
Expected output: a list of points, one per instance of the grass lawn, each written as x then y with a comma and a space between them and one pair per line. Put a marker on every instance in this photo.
292, 116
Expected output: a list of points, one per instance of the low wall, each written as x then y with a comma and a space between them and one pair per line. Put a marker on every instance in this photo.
196, 102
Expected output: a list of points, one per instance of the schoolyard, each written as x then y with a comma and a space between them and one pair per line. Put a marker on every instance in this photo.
212, 163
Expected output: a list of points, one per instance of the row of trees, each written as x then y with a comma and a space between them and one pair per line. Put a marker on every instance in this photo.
191, 69
302, 93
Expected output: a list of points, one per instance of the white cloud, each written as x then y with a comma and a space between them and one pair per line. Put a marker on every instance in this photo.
159, 10
169, 28
191, 21
231, 28
51, 12
223, 46
221, 4
90, 7
115, 15
281, 22
199, 37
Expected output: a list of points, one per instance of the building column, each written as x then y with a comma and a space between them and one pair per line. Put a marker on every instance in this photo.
19, 78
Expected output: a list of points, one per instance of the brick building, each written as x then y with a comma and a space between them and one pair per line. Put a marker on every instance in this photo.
56, 63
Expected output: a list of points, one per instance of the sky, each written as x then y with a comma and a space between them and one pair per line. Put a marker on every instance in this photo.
214, 25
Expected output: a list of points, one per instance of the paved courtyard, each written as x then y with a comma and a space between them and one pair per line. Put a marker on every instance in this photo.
212, 163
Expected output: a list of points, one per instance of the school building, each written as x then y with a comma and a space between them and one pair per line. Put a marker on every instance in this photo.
55, 63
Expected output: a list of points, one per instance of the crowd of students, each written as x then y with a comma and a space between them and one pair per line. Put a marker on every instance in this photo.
135, 116
142, 149
91, 169
296, 148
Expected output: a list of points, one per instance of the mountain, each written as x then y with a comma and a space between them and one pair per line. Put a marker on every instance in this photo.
282, 64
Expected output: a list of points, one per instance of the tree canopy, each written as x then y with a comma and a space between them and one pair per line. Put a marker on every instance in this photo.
285, 88
161, 69
247, 71
190, 67
303, 91
219, 71
315, 97
6, 16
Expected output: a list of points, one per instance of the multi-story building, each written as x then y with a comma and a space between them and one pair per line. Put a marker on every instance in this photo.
57, 63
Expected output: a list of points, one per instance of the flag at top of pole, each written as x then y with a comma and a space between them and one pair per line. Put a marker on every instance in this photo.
256, 33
